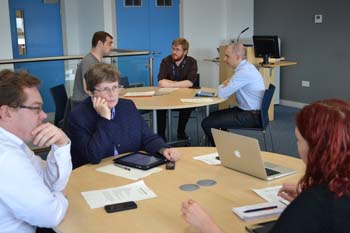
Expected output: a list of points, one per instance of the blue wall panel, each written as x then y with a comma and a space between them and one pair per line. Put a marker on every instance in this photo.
146, 28
42, 25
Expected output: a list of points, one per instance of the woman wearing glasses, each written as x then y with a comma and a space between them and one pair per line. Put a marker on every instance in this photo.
104, 125
320, 202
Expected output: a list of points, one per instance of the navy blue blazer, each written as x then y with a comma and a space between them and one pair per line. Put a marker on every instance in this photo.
94, 137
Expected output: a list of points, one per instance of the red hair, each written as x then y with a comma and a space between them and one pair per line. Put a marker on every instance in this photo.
325, 125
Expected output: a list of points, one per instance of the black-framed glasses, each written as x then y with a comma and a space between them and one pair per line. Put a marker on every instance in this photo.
36, 109
106, 90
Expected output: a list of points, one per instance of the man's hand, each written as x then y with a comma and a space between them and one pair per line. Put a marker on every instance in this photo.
166, 83
101, 107
47, 134
171, 154
225, 83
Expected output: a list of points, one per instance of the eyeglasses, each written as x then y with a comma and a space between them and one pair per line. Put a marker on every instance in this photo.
176, 49
36, 109
114, 89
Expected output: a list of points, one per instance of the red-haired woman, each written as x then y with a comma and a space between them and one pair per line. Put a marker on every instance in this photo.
321, 199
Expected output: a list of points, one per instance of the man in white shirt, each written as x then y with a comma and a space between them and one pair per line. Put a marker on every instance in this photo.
248, 86
31, 190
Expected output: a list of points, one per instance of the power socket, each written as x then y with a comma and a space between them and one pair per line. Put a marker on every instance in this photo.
305, 83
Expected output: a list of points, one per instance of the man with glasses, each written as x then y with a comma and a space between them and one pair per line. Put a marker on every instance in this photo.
177, 71
31, 190
101, 46
105, 125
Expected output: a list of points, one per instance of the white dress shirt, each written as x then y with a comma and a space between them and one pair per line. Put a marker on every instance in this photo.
248, 85
31, 188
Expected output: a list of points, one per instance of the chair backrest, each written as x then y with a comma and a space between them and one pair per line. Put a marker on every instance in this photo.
60, 98
196, 84
124, 81
265, 105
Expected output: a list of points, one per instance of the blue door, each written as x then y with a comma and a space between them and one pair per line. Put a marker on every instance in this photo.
146, 26
43, 36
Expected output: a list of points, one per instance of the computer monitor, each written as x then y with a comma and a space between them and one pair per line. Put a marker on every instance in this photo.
265, 47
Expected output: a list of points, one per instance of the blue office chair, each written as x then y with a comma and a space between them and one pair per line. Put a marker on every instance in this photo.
60, 98
124, 80
264, 115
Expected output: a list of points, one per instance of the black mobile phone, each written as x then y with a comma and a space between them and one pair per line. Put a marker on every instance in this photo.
170, 165
120, 206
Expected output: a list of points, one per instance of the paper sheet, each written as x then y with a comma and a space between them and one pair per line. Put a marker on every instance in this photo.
197, 100
167, 89
270, 194
209, 158
132, 174
132, 192
139, 94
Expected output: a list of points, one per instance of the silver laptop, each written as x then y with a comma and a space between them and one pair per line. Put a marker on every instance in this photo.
242, 154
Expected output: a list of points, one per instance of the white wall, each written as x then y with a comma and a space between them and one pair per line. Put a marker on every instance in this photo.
81, 18
207, 24
5, 32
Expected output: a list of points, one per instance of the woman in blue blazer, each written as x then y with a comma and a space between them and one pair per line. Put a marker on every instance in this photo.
104, 125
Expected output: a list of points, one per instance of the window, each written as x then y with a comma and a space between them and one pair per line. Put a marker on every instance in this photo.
133, 3
164, 3
21, 41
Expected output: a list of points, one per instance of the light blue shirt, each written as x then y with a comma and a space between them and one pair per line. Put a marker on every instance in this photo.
115, 148
248, 85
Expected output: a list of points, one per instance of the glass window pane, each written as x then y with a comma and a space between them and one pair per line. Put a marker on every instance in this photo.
21, 41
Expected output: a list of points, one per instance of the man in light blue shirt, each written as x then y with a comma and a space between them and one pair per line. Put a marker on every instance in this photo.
248, 86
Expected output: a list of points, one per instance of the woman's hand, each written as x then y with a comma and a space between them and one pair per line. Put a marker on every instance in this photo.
289, 191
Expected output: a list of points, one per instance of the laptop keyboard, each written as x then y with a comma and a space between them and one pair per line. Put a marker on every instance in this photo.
270, 172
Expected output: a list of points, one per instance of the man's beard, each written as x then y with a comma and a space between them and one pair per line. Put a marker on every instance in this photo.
177, 57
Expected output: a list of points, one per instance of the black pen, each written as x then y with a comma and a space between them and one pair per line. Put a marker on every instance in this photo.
121, 166
260, 209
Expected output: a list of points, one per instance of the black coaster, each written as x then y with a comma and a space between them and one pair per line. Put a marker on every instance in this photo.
206, 182
189, 187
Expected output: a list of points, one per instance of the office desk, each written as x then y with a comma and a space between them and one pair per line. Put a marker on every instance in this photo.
168, 101
162, 214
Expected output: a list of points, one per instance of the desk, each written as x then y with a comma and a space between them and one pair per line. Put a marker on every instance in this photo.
162, 214
168, 101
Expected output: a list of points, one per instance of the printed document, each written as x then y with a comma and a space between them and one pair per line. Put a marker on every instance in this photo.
197, 100
132, 192
270, 194
139, 94
209, 158
129, 173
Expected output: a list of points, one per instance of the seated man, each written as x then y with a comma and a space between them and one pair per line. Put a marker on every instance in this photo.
31, 190
248, 86
104, 125
177, 70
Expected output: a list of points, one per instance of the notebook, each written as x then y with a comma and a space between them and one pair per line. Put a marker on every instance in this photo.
242, 154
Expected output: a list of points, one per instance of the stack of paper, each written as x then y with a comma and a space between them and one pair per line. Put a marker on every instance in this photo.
258, 211
132, 192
